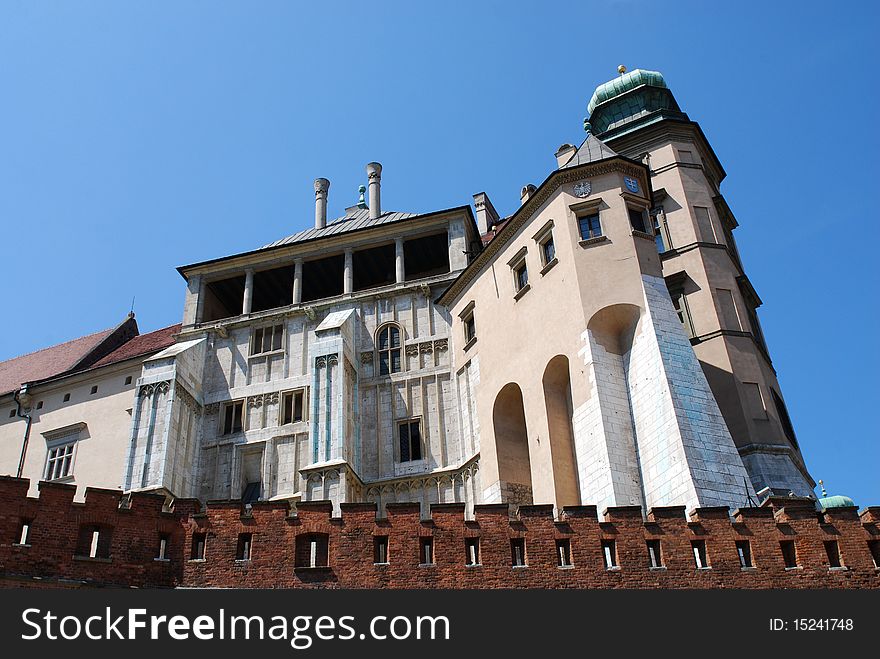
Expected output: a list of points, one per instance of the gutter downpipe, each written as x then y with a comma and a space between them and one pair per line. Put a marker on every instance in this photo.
27, 430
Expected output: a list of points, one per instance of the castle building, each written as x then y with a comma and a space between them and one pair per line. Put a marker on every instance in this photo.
599, 346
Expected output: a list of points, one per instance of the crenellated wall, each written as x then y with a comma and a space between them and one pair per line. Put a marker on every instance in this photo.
280, 539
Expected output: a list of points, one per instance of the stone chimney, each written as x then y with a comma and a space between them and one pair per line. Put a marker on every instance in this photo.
527, 191
487, 216
564, 154
322, 187
374, 174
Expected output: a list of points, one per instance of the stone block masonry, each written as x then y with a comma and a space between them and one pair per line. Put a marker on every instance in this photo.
271, 546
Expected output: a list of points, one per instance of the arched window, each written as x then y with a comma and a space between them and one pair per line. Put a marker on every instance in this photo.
388, 345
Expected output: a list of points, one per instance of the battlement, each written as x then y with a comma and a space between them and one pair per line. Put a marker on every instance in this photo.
137, 540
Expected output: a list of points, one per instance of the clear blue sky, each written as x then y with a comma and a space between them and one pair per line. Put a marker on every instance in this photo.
139, 136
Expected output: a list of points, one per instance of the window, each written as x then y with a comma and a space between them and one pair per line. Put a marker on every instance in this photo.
874, 548
470, 328
563, 552
66, 398
472, 551
784, 419
198, 547
589, 226
661, 232
521, 276
39, 404
755, 324
701, 560
24, 532
426, 550
59, 461
744, 551
789, 554
754, 400
251, 492
729, 316
233, 414
267, 339
162, 554
11, 413
518, 552
685, 156
380, 549
94, 541
637, 220
410, 440
548, 250
389, 349
679, 302
609, 554
312, 550
655, 558
128, 380
94, 390
704, 222
292, 406
832, 549
243, 549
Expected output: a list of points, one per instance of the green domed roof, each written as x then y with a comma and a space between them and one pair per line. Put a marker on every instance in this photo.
836, 501
624, 83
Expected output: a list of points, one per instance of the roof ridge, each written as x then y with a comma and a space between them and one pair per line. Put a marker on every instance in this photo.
58, 345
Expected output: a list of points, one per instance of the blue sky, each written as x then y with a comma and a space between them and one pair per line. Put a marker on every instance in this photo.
136, 137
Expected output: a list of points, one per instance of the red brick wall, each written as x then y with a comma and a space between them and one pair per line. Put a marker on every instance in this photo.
49, 561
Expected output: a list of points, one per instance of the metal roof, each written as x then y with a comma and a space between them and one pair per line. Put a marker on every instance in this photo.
591, 150
355, 218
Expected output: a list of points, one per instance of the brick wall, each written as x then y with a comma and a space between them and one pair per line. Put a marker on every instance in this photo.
48, 558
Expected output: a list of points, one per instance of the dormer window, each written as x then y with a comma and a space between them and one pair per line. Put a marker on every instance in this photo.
388, 346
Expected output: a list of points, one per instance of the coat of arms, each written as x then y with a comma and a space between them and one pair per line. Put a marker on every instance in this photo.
631, 184
582, 188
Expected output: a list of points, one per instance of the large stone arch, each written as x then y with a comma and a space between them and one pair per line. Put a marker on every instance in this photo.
512, 445
556, 382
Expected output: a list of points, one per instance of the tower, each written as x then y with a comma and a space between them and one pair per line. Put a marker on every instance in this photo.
637, 115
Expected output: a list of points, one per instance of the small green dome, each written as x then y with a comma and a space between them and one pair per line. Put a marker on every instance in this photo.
624, 83
836, 501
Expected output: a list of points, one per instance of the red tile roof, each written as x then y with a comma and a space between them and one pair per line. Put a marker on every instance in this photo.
142, 345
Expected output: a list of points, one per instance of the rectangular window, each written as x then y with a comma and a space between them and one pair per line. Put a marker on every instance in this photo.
789, 553
637, 220
233, 415
243, 549
744, 551
94, 541
589, 226
563, 552
548, 249
410, 440
198, 547
874, 548
163, 547
704, 223
426, 550
389, 350
685, 156
518, 552
470, 328
267, 339
754, 400
24, 532
659, 238
472, 551
520, 276
380, 549
59, 461
679, 302
654, 557
292, 406
784, 419
701, 560
727, 307
832, 549
609, 554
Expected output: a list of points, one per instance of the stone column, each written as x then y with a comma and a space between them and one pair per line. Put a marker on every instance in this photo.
348, 273
193, 298
322, 187
374, 175
399, 269
297, 281
248, 292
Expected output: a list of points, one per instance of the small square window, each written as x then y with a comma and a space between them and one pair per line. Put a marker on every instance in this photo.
11, 413
472, 551
789, 553
410, 436
701, 560
39, 404
293, 407
744, 552
832, 550
518, 552
94, 390
243, 548
128, 380
198, 547
609, 554
589, 226
563, 552
380, 549
655, 558
267, 339
233, 414
637, 220
426, 550
66, 398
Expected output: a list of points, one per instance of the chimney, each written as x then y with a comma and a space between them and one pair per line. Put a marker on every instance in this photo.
564, 154
374, 174
487, 216
322, 186
527, 192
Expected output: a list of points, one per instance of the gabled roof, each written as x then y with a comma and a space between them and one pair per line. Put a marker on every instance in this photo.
590, 150
142, 345
354, 218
